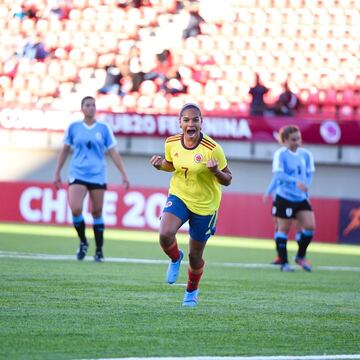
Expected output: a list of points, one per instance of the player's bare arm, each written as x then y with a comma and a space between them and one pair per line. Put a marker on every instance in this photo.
161, 164
116, 158
224, 176
59, 165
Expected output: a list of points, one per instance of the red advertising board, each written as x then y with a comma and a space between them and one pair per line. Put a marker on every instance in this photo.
225, 127
140, 208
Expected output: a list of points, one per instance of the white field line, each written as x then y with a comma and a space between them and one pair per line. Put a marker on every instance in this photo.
19, 255
305, 357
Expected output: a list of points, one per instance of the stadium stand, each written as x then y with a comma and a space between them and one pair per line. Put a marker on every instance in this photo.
311, 44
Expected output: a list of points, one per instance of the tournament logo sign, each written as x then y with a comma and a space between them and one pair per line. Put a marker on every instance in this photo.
349, 229
330, 131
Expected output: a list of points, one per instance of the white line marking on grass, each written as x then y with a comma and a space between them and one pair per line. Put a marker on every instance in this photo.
19, 255
295, 357
179, 284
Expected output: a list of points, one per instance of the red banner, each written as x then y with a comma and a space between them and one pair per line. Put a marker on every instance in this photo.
140, 208
314, 130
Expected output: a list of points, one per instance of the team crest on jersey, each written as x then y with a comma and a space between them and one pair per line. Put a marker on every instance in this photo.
198, 158
98, 136
168, 204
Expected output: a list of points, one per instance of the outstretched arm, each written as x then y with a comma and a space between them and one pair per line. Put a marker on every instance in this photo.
270, 189
161, 164
116, 158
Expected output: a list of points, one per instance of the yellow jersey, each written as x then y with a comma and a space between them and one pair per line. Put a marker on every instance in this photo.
192, 181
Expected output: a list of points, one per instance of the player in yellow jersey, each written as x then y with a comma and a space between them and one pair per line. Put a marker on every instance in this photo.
199, 169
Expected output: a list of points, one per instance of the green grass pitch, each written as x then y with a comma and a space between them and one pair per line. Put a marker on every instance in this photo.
66, 309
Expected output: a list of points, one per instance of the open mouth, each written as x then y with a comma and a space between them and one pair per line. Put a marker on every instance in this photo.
190, 132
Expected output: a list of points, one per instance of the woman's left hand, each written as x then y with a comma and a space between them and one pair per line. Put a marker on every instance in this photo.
212, 165
126, 184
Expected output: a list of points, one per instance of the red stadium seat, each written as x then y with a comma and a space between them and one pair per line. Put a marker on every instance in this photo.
330, 97
34, 85
349, 98
329, 110
144, 103
9, 96
160, 103
346, 112
25, 98
5, 83
130, 101
148, 88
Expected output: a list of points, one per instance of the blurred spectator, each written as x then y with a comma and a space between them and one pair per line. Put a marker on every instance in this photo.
165, 59
257, 92
163, 64
133, 3
166, 74
173, 83
19, 11
59, 9
33, 49
194, 20
287, 103
135, 67
27, 9
112, 83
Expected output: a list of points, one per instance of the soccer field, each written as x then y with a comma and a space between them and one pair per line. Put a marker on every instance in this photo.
54, 307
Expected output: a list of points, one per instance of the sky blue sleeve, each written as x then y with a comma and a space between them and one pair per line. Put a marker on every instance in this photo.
278, 168
309, 178
110, 140
68, 139
272, 186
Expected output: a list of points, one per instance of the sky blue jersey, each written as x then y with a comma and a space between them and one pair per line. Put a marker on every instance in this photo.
89, 144
289, 168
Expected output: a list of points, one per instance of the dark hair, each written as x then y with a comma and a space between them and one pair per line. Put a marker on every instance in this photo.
286, 131
189, 106
86, 98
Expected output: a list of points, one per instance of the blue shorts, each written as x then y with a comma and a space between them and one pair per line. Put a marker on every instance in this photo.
201, 227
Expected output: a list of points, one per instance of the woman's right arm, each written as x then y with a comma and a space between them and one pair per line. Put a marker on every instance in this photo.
59, 164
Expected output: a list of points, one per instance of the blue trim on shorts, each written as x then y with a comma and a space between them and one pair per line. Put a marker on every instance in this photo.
201, 227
